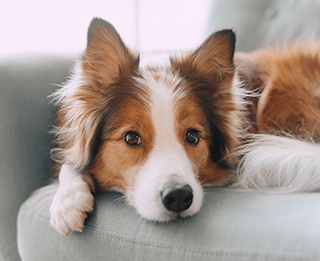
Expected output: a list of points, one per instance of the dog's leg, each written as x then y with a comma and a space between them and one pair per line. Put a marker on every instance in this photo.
72, 201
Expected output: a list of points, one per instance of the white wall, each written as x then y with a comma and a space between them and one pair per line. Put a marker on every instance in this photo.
170, 25
61, 25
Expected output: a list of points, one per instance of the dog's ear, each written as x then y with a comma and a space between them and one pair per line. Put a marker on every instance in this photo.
249, 71
213, 60
105, 62
106, 56
210, 72
252, 73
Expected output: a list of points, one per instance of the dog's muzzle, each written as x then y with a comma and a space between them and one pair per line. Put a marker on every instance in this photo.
177, 197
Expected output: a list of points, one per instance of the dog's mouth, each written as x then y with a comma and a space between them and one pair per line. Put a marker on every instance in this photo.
178, 216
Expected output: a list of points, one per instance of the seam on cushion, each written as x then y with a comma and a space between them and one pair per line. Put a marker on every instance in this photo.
221, 253
215, 253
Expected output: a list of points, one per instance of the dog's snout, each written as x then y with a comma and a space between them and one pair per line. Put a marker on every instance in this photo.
177, 198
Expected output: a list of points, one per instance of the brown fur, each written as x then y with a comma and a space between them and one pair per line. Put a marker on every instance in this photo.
288, 80
210, 71
110, 102
190, 115
115, 159
110, 96
106, 62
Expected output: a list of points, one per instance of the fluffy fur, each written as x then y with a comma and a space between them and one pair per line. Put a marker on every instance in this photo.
159, 134
278, 164
284, 157
155, 133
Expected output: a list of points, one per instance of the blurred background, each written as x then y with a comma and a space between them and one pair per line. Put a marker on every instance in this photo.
61, 26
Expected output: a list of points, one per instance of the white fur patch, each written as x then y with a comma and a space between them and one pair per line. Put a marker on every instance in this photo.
80, 121
168, 162
70, 87
279, 164
72, 201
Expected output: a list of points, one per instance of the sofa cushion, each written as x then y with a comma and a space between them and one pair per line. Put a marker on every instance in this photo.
259, 23
232, 225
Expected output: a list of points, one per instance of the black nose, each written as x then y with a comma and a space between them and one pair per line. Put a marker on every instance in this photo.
177, 198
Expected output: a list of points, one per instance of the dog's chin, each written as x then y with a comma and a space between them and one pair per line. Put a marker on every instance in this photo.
174, 216
154, 210
169, 216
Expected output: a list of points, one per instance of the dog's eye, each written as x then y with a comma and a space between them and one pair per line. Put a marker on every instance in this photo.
193, 137
132, 138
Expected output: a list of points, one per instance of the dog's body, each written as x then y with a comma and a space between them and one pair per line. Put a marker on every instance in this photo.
158, 134
288, 108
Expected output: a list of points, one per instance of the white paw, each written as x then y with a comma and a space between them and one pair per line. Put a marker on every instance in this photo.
70, 205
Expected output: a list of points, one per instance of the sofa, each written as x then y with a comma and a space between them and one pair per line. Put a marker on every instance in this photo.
232, 224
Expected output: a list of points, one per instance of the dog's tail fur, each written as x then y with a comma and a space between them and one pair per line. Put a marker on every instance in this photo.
278, 164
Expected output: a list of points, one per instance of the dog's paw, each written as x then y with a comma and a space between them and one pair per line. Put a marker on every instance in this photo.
70, 206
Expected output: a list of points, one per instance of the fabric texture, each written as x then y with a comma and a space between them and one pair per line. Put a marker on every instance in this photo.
25, 119
232, 225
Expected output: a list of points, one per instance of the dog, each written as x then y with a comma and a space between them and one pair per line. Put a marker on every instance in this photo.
158, 134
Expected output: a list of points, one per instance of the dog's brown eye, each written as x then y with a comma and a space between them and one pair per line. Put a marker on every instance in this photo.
193, 137
132, 138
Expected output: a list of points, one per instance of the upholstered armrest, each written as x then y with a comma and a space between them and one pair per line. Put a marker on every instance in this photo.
25, 119
232, 225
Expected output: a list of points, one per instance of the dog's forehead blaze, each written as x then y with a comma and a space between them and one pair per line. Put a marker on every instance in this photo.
174, 111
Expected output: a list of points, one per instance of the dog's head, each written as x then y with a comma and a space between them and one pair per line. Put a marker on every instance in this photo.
156, 133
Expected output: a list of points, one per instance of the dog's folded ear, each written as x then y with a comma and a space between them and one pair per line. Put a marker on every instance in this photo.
249, 71
106, 56
213, 60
